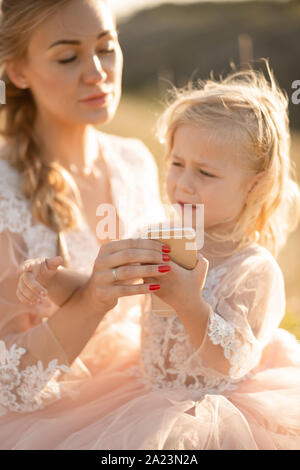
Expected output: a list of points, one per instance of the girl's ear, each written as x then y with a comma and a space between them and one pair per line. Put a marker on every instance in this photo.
255, 180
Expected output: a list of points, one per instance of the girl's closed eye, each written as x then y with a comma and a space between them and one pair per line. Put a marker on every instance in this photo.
201, 171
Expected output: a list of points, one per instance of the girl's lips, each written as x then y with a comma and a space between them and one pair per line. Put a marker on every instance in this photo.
182, 204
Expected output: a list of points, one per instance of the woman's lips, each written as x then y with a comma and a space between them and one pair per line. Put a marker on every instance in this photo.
96, 101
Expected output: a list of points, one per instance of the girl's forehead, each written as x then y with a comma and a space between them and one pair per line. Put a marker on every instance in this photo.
215, 145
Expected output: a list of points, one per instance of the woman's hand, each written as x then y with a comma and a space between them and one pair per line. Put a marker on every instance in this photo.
182, 284
132, 260
35, 277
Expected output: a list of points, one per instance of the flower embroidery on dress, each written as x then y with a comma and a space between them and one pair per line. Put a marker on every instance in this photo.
30, 389
14, 213
223, 332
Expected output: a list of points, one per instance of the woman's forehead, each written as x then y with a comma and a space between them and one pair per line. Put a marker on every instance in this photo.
75, 20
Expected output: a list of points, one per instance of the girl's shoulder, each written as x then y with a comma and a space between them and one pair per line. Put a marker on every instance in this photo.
256, 254
255, 261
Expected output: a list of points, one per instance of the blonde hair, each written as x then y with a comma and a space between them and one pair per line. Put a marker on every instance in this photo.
46, 185
254, 110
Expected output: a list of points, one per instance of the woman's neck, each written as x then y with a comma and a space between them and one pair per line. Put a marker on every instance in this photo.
73, 147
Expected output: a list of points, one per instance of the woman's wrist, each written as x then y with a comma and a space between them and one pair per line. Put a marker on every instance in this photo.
89, 304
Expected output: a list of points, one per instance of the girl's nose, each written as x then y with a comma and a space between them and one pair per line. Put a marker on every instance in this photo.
185, 184
95, 71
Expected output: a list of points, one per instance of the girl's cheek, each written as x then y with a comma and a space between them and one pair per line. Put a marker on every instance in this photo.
170, 183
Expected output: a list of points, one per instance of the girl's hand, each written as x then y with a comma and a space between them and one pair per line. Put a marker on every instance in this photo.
180, 283
35, 277
132, 259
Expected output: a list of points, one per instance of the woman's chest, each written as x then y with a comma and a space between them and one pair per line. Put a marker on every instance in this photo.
98, 208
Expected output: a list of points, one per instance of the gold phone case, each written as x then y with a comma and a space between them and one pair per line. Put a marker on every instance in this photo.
182, 241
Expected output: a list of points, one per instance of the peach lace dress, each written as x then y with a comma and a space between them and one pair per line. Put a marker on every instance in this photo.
140, 383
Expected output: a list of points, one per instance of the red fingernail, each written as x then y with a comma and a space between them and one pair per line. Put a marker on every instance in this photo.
164, 269
166, 249
154, 287
166, 258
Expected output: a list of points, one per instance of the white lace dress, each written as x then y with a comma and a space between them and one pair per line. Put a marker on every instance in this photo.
140, 383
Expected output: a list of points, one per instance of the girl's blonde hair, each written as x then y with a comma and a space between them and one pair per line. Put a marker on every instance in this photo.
254, 111
47, 186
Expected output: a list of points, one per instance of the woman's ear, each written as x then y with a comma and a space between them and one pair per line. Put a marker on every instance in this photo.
16, 74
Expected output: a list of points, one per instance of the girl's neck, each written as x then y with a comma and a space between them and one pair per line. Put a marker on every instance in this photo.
216, 252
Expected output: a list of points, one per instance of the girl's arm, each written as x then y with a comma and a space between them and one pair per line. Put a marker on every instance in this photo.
64, 284
46, 276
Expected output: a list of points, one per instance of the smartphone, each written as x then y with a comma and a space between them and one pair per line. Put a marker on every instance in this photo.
182, 241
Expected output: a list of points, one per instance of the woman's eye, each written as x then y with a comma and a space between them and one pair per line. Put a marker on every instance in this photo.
71, 59
107, 51
66, 61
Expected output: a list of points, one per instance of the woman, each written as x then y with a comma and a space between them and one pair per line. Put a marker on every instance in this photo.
55, 171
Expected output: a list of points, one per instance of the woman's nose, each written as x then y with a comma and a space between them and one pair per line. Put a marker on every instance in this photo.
95, 71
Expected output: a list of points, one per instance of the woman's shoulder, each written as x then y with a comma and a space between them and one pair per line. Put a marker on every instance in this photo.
9, 176
130, 149
15, 214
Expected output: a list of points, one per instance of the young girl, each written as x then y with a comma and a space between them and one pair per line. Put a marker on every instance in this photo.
220, 374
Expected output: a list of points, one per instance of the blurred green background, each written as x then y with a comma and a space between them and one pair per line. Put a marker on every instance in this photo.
172, 44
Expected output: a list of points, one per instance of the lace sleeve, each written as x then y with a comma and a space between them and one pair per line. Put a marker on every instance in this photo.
29, 389
31, 358
244, 318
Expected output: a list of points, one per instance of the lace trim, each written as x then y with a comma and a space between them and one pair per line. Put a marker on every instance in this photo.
203, 385
14, 209
222, 332
30, 389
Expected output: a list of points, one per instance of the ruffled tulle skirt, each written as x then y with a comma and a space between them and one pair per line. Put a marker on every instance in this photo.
116, 411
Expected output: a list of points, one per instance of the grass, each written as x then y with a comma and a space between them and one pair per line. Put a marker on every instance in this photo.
137, 117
